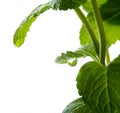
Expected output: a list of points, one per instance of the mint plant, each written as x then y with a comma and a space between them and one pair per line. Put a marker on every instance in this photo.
98, 81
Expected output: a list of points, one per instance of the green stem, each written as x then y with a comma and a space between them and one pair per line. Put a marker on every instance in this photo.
100, 26
88, 28
107, 57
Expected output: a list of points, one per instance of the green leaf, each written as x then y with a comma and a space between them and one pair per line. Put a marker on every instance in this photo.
111, 25
73, 63
84, 51
88, 8
78, 106
110, 12
66, 4
22, 30
84, 36
100, 86
110, 9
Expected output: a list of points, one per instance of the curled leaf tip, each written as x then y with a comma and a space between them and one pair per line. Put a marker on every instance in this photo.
24, 27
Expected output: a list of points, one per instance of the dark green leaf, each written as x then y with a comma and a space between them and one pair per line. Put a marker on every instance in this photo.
22, 30
111, 25
78, 106
110, 9
84, 51
66, 4
100, 86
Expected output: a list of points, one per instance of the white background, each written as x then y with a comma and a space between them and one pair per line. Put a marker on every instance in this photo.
30, 80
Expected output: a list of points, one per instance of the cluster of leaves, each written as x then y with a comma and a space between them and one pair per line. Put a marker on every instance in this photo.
98, 84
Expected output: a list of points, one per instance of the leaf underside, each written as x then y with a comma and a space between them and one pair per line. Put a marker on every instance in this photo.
84, 51
21, 32
66, 4
100, 86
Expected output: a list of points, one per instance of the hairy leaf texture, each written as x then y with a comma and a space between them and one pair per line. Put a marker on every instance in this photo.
84, 51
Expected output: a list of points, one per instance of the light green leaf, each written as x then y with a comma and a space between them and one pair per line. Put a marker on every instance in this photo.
66, 4
111, 25
84, 36
110, 12
100, 86
87, 6
84, 51
73, 63
22, 30
63, 59
78, 106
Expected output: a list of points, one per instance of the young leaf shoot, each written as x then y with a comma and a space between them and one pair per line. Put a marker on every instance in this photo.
98, 81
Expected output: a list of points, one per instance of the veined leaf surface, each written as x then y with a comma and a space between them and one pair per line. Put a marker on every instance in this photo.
100, 86
22, 30
66, 4
78, 106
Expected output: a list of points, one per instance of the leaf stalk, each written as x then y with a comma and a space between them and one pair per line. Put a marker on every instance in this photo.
88, 28
101, 31
107, 56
